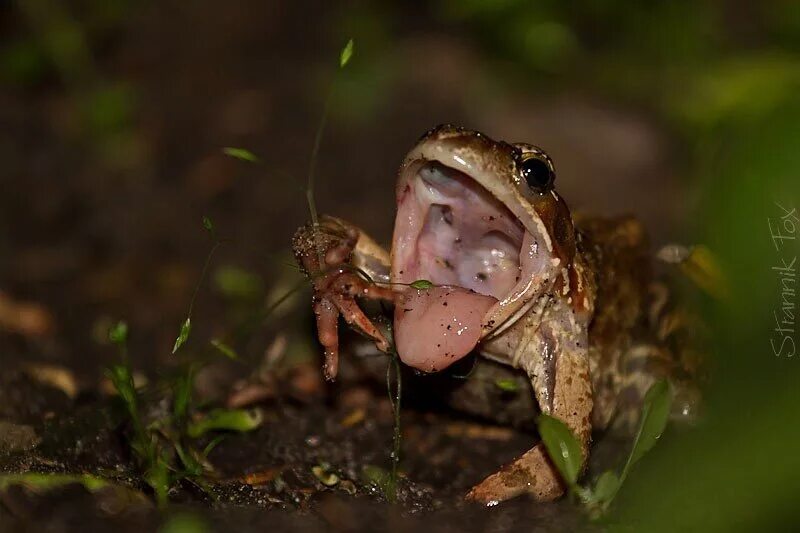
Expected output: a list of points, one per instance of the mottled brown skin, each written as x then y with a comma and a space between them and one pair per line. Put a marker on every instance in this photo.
569, 332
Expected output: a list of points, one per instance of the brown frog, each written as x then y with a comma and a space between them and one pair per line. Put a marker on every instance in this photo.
486, 257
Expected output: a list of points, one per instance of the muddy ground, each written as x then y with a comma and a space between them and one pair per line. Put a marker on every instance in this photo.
100, 220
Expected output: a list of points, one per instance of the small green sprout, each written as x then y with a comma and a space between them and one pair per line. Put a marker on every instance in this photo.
346, 54
506, 385
421, 284
183, 336
241, 154
118, 334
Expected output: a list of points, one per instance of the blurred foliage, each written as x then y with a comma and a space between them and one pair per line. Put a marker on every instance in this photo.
57, 43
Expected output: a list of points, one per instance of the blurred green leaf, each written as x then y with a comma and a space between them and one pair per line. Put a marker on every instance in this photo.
240, 420
742, 89
22, 62
605, 489
238, 283
183, 336
157, 476
182, 392
118, 334
184, 523
240, 153
655, 413
213, 444
562, 447
109, 109
208, 224
52, 480
421, 284
506, 385
192, 466
224, 349
378, 477
346, 54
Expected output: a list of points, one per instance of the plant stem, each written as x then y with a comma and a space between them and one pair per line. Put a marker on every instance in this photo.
395, 455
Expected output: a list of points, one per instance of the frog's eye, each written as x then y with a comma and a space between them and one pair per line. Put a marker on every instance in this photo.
537, 173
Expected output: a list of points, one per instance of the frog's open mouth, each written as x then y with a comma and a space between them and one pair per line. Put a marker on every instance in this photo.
453, 232
465, 238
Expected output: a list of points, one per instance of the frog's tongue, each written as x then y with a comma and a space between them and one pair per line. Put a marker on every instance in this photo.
436, 327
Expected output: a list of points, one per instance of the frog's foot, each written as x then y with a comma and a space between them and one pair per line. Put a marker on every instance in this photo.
532, 473
325, 252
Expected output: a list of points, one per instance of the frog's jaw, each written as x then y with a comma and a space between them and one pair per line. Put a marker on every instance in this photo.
453, 232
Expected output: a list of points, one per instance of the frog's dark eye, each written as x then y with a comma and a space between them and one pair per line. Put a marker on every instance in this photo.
537, 173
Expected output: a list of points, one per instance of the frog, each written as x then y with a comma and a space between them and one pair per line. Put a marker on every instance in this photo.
486, 257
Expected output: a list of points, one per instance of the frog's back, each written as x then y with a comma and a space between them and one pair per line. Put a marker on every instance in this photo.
628, 348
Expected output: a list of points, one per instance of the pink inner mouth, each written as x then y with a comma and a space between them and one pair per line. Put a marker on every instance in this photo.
451, 231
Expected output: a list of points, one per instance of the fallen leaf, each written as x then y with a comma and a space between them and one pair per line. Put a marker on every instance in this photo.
355, 417
54, 376
25, 318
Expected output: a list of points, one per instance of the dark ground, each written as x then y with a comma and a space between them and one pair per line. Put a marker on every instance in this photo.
100, 220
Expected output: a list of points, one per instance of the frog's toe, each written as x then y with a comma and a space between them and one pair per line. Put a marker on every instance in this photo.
532, 473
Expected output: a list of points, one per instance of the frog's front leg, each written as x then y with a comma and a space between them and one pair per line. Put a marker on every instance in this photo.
336, 255
553, 352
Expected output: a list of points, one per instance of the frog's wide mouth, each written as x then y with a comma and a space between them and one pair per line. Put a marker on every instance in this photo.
482, 260
451, 231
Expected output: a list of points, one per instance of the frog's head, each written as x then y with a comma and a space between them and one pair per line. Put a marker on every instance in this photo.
480, 219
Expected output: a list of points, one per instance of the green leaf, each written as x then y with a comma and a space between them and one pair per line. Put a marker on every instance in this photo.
562, 446
241, 420
186, 328
422, 284
347, 53
606, 487
655, 413
240, 153
208, 224
118, 334
224, 349
506, 385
